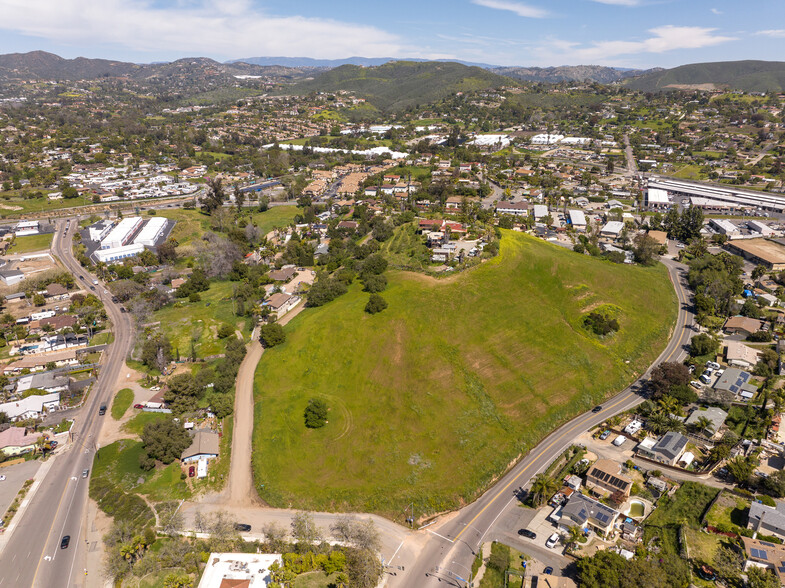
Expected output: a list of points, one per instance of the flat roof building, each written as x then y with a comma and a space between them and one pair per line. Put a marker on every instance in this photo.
238, 570
612, 229
122, 234
765, 252
118, 253
577, 219
151, 232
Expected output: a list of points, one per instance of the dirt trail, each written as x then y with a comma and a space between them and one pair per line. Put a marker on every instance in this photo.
239, 489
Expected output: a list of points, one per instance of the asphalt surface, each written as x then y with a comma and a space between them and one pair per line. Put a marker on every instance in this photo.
33, 556
444, 558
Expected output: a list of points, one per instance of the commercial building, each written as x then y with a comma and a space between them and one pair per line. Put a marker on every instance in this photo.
765, 252
723, 194
153, 230
724, 227
118, 253
122, 234
577, 219
612, 229
656, 199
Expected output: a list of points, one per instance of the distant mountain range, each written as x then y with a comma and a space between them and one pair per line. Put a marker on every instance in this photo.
750, 76
43, 65
395, 83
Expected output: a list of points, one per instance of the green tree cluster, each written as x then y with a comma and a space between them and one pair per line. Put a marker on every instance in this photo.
271, 335
316, 413
684, 226
164, 441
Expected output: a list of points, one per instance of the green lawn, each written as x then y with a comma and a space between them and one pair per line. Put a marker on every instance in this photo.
277, 216
685, 508
136, 424
431, 399
31, 243
122, 402
314, 580
184, 321
102, 338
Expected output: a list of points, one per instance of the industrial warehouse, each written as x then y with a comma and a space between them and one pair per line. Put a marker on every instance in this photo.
661, 193
109, 242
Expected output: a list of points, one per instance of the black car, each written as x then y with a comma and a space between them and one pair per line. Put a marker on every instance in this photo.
92, 288
527, 533
102, 410
65, 541
596, 409
115, 299
242, 527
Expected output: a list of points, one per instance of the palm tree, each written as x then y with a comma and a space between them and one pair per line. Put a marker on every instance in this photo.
658, 423
670, 405
705, 425
573, 534
542, 487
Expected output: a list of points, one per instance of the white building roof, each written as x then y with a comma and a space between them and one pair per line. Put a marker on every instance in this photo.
540, 210
612, 228
118, 235
577, 218
151, 231
655, 195
30, 404
238, 566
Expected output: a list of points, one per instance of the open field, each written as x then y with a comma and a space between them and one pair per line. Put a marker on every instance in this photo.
433, 398
685, 509
121, 403
185, 321
30, 243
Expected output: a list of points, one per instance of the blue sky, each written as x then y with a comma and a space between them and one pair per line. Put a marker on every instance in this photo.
624, 33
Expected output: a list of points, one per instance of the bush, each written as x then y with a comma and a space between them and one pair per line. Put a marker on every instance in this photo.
316, 413
600, 323
760, 337
271, 335
375, 283
325, 290
375, 304
194, 297
225, 331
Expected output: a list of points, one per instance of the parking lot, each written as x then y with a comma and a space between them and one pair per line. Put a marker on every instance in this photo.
15, 476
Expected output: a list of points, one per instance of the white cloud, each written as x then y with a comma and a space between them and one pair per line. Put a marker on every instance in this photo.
518, 8
777, 33
663, 39
716, 11
620, 2
226, 28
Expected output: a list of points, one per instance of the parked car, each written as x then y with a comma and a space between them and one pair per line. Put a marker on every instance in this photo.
597, 408
705, 379
619, 441
139, 406
53, 444
65, 541
605, 434
695, 384
718, 373
548, 571
527, 533
191, 471
552, 541
712, 365
85, 473
242, 527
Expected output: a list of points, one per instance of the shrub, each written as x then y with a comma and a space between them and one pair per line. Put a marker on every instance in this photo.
271, 335
225, 330
316, 413
375, 304
375, 283
600, 323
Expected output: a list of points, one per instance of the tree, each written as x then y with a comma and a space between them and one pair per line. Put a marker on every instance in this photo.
775, 484
645, 249
758, 271
705, 425
573, 534
543, 487
703, 344
667, 375
761, 578
165, 440
304, 530
156, 351
728, 562
215, 196
373, 265
741, 469
364, 568
271, 335
316, 413
222, 405
374, 283
375, 304
225, 330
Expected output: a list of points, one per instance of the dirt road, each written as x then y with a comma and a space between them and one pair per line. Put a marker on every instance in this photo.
239, 489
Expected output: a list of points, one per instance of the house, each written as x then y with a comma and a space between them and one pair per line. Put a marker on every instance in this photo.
737, 382
660, 236
177, 282
283, 275
764, 554
281, 303
612, 229
16, 441
740, 355
716, 415
48, 382
204, 446
38, 362
514, 208
540, 211
56, 292
453, 202
350, 225
238, 570
667, 449
604, 477
32, 407
577, 219
767, 520
583, 512
60, 321
742, 325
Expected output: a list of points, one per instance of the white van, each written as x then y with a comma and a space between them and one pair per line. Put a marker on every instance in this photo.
619, 441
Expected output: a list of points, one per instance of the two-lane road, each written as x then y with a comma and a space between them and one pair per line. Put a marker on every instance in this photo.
452, 545
33, 556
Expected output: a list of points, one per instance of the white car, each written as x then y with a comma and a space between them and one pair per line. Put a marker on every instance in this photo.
552, 541
619, 441
2, 478
712, 365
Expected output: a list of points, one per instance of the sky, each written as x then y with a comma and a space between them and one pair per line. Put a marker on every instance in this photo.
620, 33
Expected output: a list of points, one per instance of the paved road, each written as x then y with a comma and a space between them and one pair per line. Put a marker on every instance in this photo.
33, 556
454, 542
632, 167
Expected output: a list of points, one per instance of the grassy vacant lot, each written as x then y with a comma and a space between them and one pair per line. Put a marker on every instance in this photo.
31, 243
685, 508
184, 321
431, 399
122, 401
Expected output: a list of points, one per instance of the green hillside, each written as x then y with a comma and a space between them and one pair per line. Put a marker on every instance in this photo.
750, 76
435, 396
399, 84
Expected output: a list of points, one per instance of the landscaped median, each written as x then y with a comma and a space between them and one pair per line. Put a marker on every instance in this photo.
432, 399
